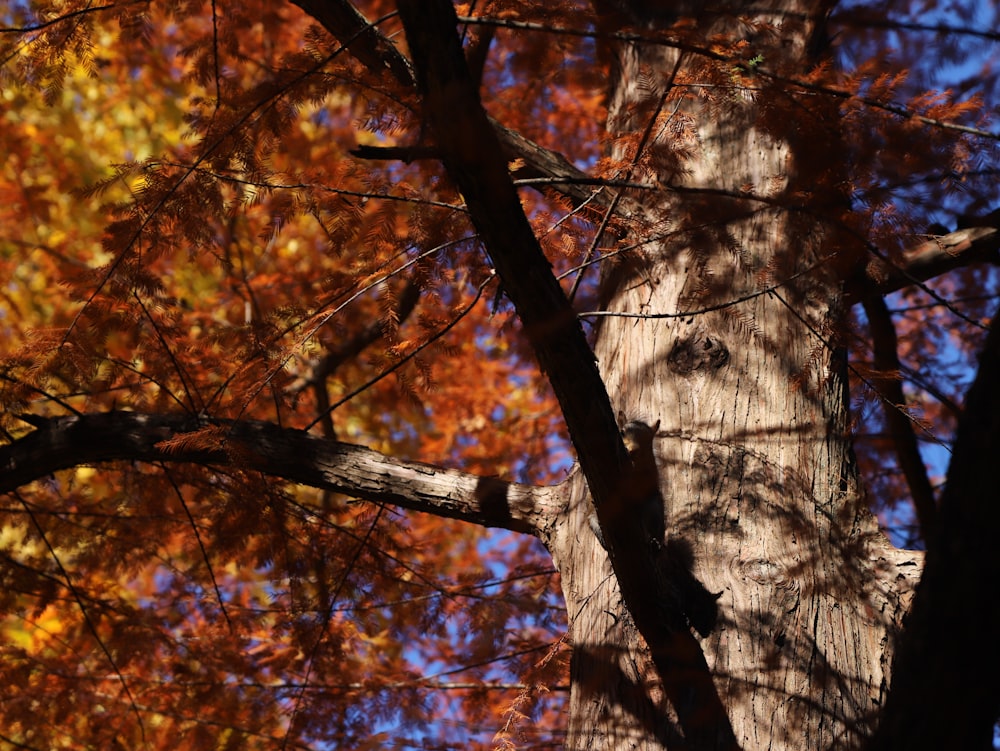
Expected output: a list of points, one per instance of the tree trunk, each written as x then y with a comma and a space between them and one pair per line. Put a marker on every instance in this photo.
755, 461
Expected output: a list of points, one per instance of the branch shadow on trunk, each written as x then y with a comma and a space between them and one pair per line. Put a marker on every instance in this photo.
696, 718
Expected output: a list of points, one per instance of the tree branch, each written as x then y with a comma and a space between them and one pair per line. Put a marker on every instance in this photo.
349, 27
890, 389
320, 369
937, 256
542, 162
474, 160
369, 45
945, 692
285, 453
472, 155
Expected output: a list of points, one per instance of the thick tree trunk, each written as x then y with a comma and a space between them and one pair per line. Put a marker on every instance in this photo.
755, 463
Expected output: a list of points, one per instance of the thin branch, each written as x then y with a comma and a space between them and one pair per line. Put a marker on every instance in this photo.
18, 744
890, 107
921, 382
320, 318
853, 19
460, 591
601, 182
193, 395
323, 367
710, 308
411, 575
829, 346
542, 162
201, 546
409, 356
327, 616
54, 398
643, 142
367, 195
859, 17
91, 626
631, 37
71, 16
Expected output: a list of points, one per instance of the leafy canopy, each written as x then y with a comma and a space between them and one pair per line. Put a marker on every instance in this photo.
187, 226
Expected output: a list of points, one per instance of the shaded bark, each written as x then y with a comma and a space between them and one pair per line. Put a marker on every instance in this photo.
945, 692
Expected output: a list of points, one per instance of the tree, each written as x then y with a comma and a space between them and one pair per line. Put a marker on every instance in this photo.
668, 234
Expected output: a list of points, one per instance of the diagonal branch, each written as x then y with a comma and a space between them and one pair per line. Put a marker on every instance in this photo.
376, 52
369, 45
285, 453
542, 162
323, 367
890, 389
939, 255
474, 160
551, 168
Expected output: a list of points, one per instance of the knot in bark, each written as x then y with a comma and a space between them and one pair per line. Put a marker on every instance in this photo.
698, 351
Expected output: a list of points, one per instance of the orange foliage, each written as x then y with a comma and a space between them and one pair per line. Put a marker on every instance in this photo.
184, 229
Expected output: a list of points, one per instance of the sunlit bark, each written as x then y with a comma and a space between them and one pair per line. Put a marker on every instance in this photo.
755, 459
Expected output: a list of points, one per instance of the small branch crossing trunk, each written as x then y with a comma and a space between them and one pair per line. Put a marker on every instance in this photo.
755, 464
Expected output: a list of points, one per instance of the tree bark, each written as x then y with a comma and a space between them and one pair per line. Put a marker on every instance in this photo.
292, 455
761, 496
755, 461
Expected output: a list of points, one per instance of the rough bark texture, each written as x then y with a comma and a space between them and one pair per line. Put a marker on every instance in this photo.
292, 455
755, 460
